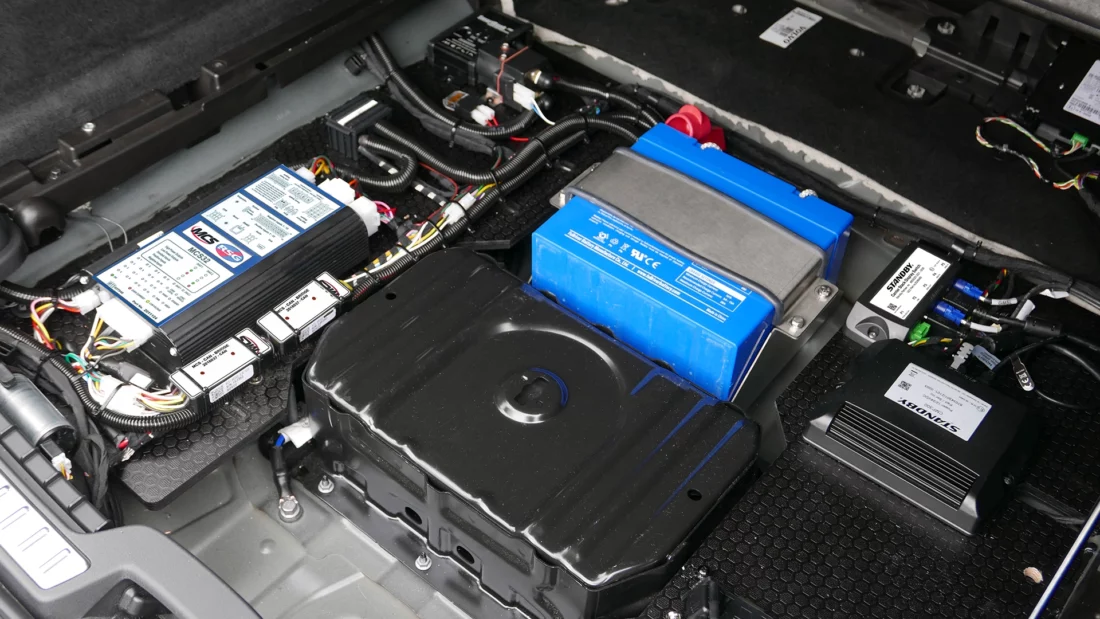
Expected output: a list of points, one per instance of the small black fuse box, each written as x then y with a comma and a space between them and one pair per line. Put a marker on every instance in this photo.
345, 124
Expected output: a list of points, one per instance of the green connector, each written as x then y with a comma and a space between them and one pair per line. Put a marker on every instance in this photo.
919, 331
1078, 138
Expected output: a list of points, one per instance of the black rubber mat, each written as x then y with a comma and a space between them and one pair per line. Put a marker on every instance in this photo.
813, 539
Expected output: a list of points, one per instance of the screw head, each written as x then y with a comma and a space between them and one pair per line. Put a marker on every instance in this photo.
873, 333
326, 485
823, 292
856, 52
740, 9
88, 127
289, 509
423, 562
797, 322
915, 91
946, 28
257, 379
174, 351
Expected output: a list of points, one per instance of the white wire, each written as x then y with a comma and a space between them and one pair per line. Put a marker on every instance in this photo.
535, 108
983, 328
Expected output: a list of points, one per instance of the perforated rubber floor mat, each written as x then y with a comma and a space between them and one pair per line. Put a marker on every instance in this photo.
813, 539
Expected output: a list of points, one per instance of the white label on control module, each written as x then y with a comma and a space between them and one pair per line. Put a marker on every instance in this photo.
910, 283
219, 363
1085, 101
939, 402
160, 279
293, 198
306, 305
252, 225
790, 27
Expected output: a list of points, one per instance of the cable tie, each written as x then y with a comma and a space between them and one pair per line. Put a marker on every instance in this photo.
110, 397
443, 244
42, 362
542, 146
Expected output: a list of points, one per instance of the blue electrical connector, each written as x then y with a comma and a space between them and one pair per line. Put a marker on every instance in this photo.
949, 312
968, 289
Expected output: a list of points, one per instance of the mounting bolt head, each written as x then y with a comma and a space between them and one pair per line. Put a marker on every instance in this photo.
88, 127
326, 485
54, 174
289, 509
423, 562
873, 333
824, 292
257, 379
740, 9
797, 322
946, 28
916, 91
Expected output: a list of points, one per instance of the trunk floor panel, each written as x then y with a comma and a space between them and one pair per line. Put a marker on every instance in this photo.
818, 93
812, 538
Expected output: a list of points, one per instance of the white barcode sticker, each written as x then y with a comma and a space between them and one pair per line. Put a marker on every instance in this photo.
790, 27
937, 401
1085, 101
231, 383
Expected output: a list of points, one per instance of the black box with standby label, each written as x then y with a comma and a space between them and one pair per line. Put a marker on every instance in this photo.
944, 443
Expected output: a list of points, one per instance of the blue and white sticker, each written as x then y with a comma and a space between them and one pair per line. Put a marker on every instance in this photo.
167, 274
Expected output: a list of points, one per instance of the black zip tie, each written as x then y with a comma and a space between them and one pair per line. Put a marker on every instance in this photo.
107, 402
42, 362
542, 146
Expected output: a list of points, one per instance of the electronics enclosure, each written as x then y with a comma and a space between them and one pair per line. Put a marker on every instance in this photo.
564, 471
960, 481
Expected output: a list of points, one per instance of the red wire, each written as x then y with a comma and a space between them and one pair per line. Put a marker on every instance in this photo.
442, 175
515, 138
504, 62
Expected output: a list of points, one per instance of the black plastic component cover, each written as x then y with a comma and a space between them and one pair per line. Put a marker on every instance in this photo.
946, 444
566, 472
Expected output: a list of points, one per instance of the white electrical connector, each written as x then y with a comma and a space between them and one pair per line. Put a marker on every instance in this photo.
524, 96
126, 322
467, 200
87, 300
483, 114
340, 189
307, 174
300, 432
62, 464
368, 212
119, 397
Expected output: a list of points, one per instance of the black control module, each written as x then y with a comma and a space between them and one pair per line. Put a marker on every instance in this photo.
944, 443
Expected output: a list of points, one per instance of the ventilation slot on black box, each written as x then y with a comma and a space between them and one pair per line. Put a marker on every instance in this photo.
910, 460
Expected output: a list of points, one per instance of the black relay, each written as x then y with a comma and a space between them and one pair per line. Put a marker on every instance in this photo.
490, 49
345, 124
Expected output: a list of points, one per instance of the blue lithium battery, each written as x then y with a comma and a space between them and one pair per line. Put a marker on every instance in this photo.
650, 296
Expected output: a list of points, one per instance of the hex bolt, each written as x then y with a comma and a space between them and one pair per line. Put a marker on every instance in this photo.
873, 333
946, 28
824, 292
423, 562
915, 91
326, 485
289, 509
88, 127
797, 322
257, 379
